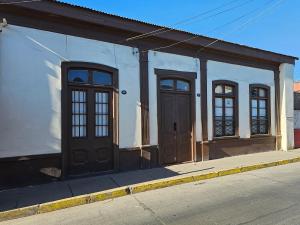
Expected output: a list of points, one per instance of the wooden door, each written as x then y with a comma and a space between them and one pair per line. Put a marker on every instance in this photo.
90, 130
175, 125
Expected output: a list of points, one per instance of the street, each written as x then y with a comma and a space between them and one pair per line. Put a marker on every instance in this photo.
267, 196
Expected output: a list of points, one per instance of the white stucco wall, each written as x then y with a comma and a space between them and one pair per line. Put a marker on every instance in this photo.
287, 105
243, 76
30, 87
170, 62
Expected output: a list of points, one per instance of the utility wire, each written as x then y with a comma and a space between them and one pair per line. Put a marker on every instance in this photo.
219, 27
262, 13
18, 2
189, 20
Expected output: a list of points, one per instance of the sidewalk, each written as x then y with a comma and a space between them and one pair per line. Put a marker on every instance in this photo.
31, 195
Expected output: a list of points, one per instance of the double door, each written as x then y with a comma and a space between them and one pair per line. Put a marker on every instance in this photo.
175, 127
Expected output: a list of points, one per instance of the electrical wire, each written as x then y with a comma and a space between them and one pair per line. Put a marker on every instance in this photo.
262, 13
19, 2
219, 27
189, 20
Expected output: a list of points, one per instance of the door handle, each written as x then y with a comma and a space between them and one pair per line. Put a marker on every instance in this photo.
175, 126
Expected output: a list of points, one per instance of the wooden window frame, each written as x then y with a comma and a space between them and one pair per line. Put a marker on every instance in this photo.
268, 108
235, 106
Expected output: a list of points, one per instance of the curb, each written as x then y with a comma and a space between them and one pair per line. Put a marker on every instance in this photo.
123, 191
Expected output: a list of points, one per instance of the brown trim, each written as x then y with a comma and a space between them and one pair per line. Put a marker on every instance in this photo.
268, 98
277, 109
70, 26
176, 74
54, 10
204, 118
239, 146
235, 96
26, 170
189, 76
144, 96
64, 109
135, 158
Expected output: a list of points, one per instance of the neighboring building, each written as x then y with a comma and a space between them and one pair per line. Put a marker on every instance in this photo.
297, 114
77, 96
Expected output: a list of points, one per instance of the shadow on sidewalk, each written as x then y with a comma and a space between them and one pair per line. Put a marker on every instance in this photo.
36, 194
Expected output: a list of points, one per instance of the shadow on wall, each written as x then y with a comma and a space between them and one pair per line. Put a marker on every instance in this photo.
30, 107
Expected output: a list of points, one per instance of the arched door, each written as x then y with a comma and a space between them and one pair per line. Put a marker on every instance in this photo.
175, 122
89, 119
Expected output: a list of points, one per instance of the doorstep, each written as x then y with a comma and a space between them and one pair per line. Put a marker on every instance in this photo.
98, 188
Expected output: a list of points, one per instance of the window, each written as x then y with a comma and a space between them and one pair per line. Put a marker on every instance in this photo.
101, 114
94, 77
79, 113
225, 108
174, 85
259, 109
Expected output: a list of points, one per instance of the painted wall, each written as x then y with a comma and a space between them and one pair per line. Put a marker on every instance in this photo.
170, 62
287, 105
30, 88
243, 76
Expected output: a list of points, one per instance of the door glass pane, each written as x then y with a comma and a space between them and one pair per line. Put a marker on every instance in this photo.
254, 103
262, 92
254, 92
219, 89
102, 78
228, 111
182, 85
101, 114
78, 76
228, 102
262, 104
218, 102
167, 84
79, 118
262, 112
254, 112
219, 112
228, 90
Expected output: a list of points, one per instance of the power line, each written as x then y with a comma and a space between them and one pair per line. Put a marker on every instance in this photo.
18, 2
189, 20
262, 13
228, 23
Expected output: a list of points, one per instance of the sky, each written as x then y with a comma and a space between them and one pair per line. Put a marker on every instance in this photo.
272, 25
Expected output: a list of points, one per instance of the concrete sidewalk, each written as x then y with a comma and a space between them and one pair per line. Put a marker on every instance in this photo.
31, 195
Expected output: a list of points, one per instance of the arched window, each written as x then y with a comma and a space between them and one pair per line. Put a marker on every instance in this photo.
225, 108
259, 109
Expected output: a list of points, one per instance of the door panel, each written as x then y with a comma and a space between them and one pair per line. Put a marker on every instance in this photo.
184, 127
168, 141
90, 130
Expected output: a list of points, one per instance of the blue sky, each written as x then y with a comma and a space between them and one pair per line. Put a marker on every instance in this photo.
275, 29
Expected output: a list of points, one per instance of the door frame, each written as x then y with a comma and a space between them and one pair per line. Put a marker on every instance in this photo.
188, 76
65, 66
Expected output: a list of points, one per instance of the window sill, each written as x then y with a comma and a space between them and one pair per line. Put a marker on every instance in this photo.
261, 135
225, 138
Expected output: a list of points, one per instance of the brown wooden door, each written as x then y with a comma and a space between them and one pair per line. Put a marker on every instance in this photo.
175, 127
90, 131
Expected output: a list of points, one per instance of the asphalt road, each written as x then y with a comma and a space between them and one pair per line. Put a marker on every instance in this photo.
268, 196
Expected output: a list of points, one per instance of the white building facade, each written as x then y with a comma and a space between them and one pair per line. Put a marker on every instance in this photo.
78, 97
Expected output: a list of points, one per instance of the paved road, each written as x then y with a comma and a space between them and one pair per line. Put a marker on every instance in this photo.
268, 196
